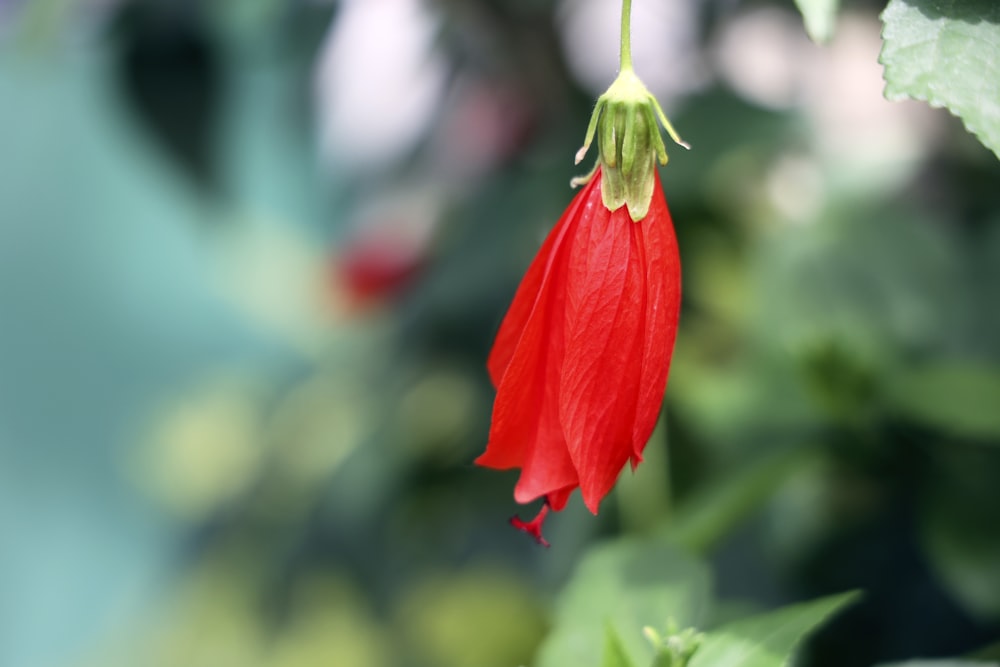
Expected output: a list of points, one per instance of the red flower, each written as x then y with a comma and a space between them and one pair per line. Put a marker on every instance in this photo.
580, 362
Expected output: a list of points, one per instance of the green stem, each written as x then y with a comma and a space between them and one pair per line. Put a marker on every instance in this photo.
625, 57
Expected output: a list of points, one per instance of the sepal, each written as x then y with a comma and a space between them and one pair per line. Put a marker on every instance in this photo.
629, 144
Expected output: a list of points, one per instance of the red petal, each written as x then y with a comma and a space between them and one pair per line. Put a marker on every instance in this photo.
658, 246
514, 322
605, 314
525, 430
558, 499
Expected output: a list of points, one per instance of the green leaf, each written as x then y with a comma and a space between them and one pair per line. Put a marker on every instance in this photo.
766, 640
946, 53
958, 398
614, 652
624, 585
820, 17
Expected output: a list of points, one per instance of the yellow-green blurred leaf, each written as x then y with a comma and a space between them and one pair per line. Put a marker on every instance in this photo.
614, 652
956, 397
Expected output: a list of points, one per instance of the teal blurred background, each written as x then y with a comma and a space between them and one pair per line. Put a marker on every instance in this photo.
252, 257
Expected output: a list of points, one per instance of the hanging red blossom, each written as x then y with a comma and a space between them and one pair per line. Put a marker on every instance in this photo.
581, 359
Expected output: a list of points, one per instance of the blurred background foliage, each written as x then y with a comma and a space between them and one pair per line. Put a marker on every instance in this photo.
252, 256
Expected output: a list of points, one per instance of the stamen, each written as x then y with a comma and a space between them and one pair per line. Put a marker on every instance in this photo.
533, 527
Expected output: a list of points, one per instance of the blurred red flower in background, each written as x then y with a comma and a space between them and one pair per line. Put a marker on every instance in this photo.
376, 266
581, 359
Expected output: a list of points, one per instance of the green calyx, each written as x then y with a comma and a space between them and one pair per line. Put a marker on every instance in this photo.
629, 144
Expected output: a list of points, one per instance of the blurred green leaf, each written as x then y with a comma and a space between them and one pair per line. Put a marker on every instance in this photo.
820, 17
624, 585
967, 565
948, 55
766, 640
960, 503
868, 279
959, 398
711, 514
614, 652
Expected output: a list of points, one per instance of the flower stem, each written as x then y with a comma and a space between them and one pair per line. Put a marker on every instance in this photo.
625, 55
